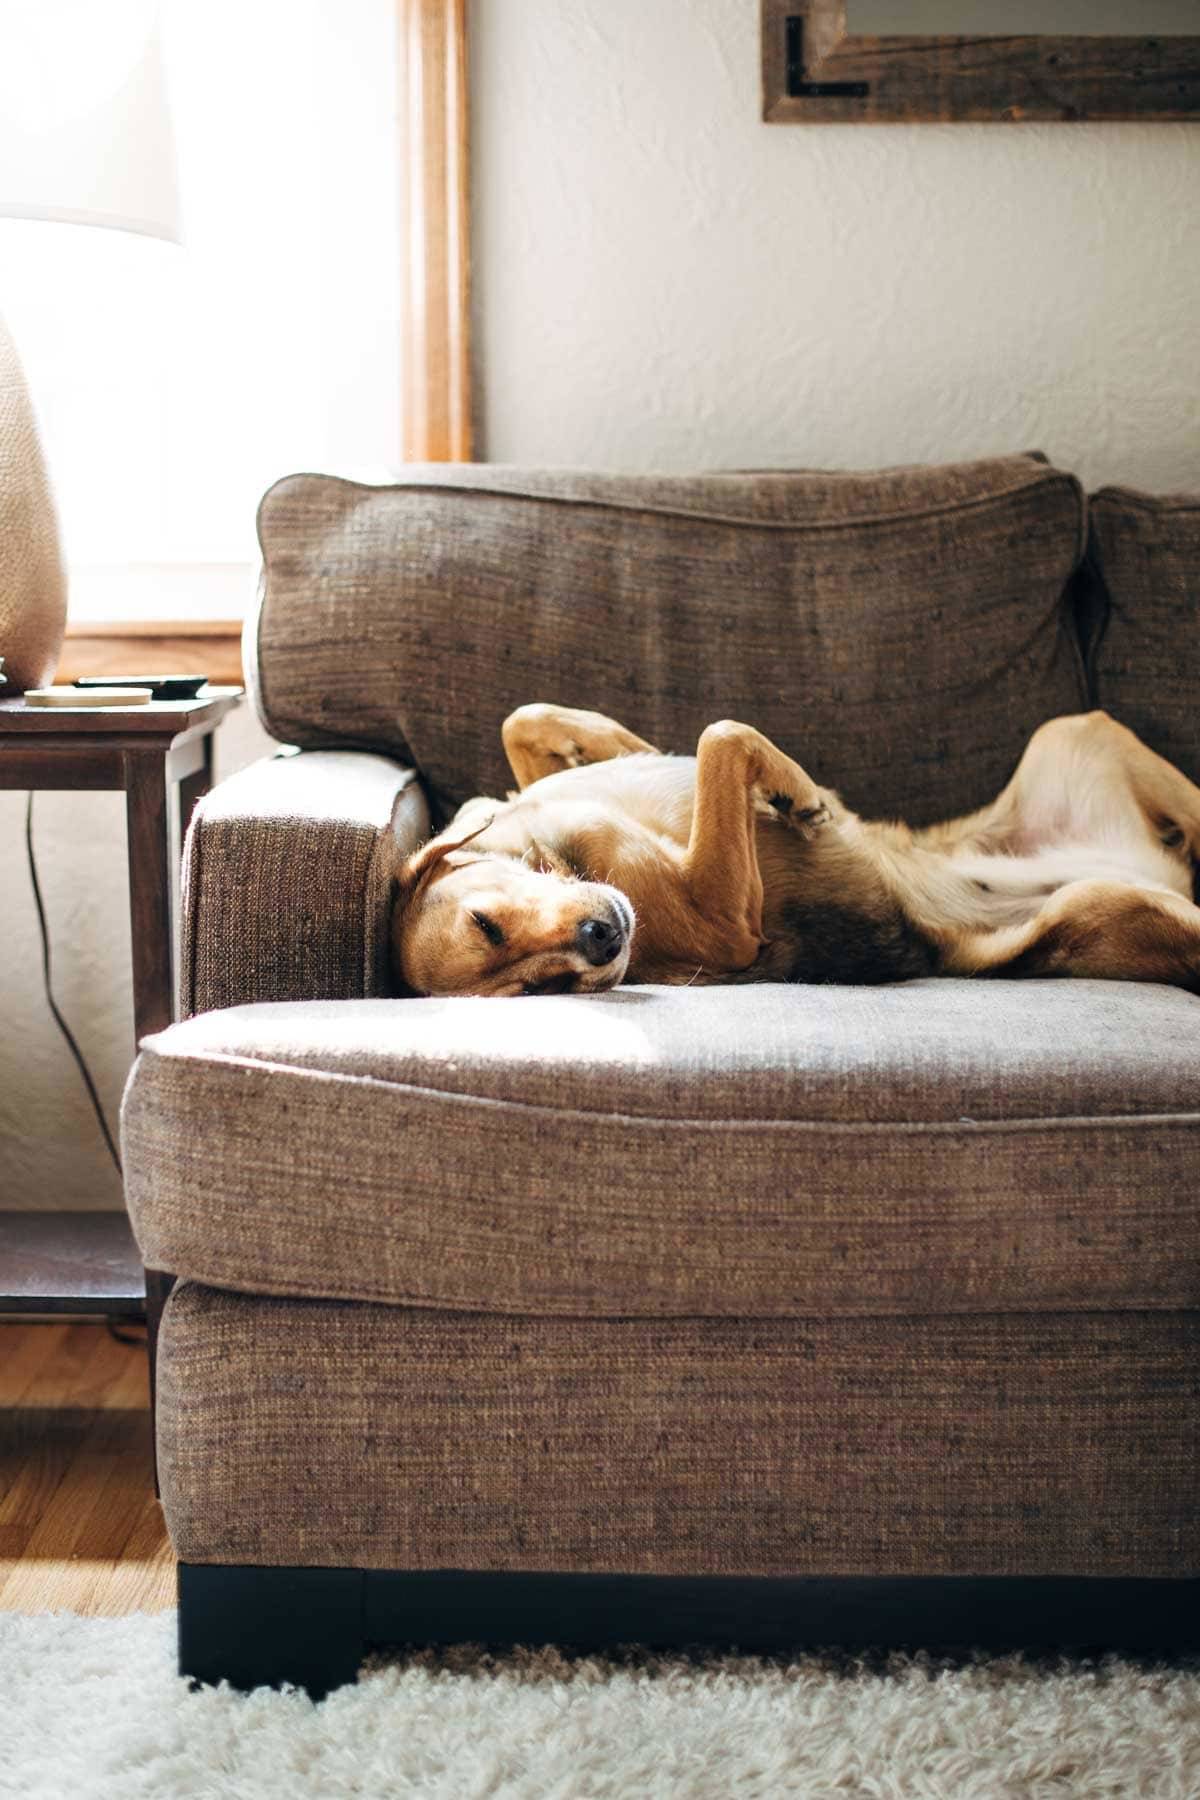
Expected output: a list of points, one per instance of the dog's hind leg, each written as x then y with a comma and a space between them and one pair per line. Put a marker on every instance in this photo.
1080, 775
1102, 929
1169, 801
541, 739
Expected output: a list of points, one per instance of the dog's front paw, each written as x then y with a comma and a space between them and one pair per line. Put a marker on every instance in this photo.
805, 819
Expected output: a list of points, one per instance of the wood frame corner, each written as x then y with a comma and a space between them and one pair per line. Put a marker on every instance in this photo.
815, 73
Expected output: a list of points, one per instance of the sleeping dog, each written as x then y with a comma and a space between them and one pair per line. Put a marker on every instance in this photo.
613, 862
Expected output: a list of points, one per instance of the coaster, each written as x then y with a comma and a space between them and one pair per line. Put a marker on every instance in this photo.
87, 699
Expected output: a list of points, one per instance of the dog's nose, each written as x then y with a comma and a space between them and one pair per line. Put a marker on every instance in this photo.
600, 940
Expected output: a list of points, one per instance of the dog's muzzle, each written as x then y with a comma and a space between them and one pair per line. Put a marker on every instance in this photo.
600, 940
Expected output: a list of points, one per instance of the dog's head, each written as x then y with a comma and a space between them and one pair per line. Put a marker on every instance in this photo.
469, 920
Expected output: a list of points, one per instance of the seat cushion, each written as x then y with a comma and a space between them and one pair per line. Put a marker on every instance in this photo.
1146, 655
902, 633
754, 1151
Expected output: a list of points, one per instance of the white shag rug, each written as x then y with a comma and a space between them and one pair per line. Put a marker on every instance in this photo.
92, 1708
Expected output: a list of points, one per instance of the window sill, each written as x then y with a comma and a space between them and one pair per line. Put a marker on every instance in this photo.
211, 647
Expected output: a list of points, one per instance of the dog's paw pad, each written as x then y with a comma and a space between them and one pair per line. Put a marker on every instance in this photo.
799, 818
808, 819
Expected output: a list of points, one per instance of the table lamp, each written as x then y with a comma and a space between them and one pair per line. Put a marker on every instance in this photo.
85, 138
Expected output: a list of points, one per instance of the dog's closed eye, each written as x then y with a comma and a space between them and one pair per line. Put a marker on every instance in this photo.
489, 927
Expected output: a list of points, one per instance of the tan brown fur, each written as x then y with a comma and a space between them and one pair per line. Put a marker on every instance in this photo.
738, 867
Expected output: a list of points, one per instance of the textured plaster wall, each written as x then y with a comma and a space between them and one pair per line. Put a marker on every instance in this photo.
662, 281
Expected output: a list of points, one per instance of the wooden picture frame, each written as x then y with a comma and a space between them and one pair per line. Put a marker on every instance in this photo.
815, 73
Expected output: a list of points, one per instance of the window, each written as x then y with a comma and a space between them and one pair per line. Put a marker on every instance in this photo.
174, 384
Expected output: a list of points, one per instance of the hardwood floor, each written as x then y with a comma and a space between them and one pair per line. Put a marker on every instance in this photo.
80, 1529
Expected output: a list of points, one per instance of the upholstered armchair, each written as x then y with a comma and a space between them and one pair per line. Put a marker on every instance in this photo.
767, 1315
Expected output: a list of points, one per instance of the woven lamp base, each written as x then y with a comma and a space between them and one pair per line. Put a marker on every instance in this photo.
33, 585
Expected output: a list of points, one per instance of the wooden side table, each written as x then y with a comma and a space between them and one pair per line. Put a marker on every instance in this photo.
87, 1262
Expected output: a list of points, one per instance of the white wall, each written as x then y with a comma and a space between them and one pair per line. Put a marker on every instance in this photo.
663, 281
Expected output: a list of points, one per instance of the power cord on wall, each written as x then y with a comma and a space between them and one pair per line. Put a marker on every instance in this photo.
72, 1046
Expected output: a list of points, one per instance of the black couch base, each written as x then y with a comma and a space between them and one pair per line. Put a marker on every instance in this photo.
255, 1626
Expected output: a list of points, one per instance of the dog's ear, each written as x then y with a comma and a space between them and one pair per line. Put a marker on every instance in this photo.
546, 861
421, 864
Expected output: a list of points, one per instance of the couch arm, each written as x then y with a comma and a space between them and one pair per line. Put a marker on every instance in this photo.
287, 878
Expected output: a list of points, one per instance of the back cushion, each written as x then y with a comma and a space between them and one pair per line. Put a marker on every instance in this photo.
901, 634
1145, 556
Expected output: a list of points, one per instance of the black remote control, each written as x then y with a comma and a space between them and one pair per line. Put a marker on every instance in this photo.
162, 687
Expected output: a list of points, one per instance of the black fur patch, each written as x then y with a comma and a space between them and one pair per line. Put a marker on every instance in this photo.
834, 943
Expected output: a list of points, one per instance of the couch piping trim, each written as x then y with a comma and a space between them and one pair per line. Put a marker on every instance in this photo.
1037, 478
965, 1125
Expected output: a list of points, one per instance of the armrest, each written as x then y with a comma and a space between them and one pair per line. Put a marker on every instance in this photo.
287, 879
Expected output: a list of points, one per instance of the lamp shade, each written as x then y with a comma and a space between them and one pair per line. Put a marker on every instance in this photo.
85, 137
85, 130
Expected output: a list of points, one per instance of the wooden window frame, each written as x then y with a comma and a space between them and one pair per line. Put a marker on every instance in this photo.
436, 264
434, 275
814, 73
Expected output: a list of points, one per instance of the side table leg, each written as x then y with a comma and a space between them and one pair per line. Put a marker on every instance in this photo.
152, 950
149, 890
193, 787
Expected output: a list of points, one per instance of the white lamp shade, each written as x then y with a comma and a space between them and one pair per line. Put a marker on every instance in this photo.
85, 131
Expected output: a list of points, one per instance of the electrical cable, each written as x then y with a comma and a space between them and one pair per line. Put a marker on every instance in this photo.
72, 1046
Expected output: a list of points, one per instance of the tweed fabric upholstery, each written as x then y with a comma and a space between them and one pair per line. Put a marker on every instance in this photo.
307, 1432
902, 633
744, 1152
287, 878
1146, 655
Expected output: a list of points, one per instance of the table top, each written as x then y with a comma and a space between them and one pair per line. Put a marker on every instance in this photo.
162, 718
